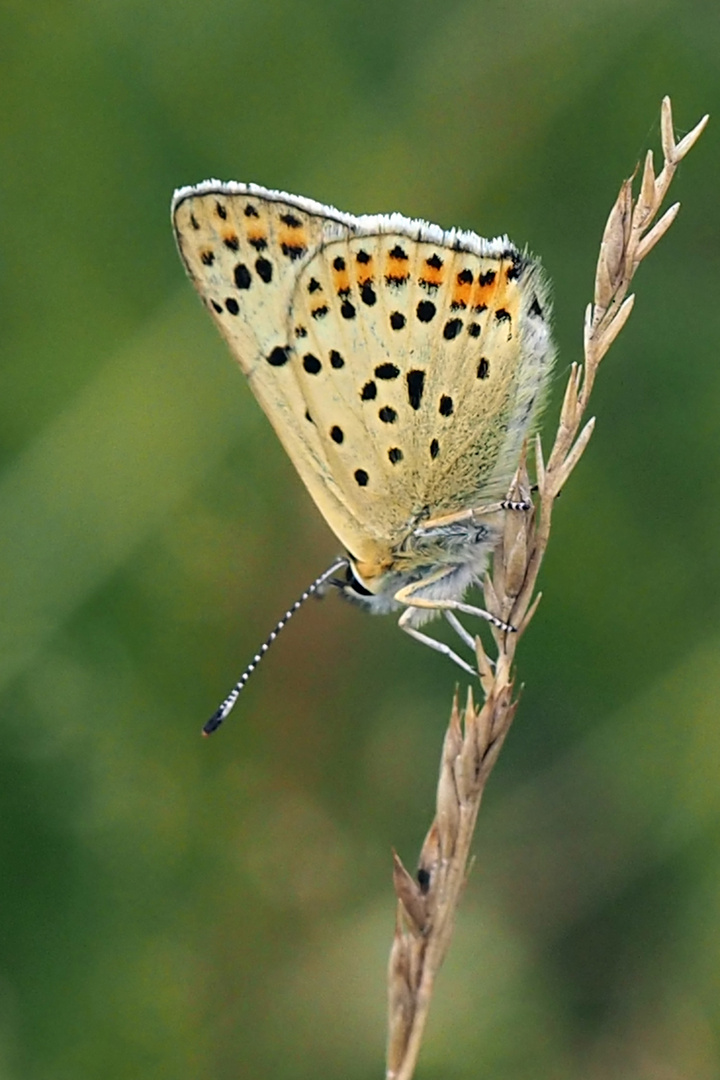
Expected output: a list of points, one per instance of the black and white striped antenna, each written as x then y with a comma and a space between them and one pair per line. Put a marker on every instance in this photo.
228, 704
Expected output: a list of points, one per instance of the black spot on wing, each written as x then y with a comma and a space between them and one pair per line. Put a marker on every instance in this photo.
367, 294
426, 310
336, 359
369, 391
264, 270
311, 364
395, 454
415, 385
232, 305
516, 267
242, 276
279, 356
387, 371
361, 477
293, 251
397, 320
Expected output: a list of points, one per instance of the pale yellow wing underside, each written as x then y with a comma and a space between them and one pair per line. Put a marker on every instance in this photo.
400, 366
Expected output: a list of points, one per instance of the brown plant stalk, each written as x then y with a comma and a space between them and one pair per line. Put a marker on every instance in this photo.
427, 903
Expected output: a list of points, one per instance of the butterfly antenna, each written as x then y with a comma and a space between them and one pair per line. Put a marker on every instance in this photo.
228, 704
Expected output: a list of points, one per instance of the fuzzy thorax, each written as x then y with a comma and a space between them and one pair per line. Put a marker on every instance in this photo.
441, 564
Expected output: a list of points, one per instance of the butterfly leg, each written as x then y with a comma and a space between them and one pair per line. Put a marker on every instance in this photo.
408, 595
469, 640
438, 646
460, 630
471, 515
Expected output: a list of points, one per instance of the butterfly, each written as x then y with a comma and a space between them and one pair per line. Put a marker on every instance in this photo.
401, 366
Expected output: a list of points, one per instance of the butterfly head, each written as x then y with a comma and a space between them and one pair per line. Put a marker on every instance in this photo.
372, 585
434, 566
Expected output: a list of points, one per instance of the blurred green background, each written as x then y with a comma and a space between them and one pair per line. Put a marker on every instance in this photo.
179, 908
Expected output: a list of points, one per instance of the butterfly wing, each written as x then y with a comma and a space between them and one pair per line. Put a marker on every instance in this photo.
400, 366
423, 366
243, 248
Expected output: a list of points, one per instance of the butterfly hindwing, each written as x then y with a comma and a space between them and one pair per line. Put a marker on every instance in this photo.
421, 372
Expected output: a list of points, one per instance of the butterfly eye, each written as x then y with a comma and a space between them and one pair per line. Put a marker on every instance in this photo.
354, 582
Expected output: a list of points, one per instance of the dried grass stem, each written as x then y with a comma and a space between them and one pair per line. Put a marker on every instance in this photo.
427, 903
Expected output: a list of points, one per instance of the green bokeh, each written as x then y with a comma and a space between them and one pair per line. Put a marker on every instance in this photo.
173, 908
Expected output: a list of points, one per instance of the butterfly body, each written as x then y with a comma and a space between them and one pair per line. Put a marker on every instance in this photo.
401, 367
